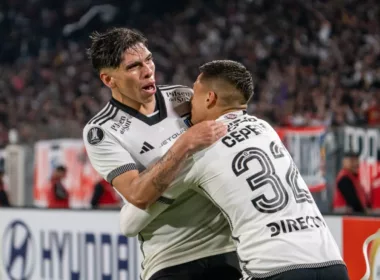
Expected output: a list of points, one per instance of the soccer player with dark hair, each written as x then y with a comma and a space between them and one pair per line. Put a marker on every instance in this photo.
131, 143
249, 175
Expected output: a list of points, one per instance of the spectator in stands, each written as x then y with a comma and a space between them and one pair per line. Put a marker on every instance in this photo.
58, 197
104, 196
373, 112
375, 189
4, 201
316, 64
349, 195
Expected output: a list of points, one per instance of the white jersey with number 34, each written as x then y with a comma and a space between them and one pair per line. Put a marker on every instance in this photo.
252, 178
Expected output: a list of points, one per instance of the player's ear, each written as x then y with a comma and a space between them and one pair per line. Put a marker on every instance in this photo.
107, 79
211, 99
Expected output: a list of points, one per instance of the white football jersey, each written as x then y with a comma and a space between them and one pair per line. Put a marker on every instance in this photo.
252, 178
119, 139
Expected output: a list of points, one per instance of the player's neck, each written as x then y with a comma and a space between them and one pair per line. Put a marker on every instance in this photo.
143, 108
218, 112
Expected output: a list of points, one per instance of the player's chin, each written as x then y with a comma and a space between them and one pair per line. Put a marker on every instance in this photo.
145, 99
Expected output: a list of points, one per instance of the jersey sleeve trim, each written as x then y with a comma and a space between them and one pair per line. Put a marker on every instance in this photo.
169, 87
165, 200
101, 114
120, 170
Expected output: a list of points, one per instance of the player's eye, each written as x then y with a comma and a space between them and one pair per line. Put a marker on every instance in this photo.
129, 67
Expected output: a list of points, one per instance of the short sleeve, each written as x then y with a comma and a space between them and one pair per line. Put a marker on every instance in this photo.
106, 155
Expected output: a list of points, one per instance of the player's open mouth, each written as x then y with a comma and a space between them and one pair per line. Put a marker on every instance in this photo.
150, 88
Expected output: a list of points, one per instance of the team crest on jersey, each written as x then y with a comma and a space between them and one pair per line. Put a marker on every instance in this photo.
95, 135
231, 116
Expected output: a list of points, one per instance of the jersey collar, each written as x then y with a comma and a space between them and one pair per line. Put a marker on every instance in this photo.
160, 105
232, 115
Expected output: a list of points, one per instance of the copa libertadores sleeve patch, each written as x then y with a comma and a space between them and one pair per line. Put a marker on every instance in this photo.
95, 135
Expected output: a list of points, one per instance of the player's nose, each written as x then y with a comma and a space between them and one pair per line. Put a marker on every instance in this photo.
148, 71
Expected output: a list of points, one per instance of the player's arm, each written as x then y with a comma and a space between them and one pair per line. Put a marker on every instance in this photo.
133, 219
143, 189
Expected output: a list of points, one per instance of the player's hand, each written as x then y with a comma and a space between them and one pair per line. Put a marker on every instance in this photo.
203, 135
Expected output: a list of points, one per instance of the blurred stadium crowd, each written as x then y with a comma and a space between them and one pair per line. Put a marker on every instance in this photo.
312, 63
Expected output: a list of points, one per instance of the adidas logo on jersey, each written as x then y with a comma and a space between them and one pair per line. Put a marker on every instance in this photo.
146, 148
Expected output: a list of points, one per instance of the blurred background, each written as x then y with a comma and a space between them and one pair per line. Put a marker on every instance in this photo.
316, 69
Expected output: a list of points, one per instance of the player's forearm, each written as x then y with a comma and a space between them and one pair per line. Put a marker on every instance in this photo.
145, 188
133, 219
152, 182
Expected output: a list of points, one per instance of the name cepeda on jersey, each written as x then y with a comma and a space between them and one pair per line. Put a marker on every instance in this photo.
243, 134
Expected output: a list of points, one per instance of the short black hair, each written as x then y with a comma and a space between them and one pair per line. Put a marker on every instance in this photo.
61, 168
231, 72
107, 49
